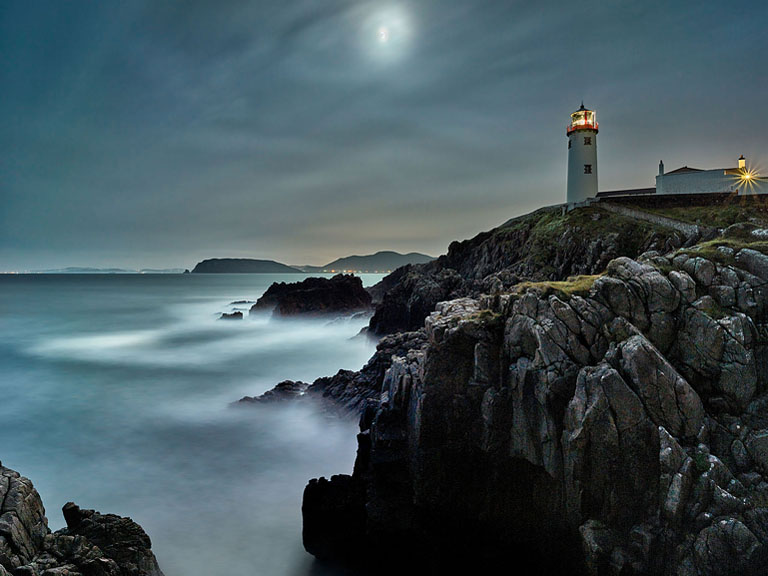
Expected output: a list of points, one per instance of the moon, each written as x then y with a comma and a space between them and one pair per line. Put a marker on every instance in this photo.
386, 33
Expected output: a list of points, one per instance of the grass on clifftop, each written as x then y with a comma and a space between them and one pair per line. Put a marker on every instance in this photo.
573, 286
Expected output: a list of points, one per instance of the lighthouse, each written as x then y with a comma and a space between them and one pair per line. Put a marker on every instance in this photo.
582, 156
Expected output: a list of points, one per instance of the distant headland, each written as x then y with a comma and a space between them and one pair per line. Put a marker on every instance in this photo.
242, 266
380, 262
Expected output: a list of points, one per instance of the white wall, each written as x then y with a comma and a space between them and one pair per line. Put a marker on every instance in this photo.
704, 182
581, 186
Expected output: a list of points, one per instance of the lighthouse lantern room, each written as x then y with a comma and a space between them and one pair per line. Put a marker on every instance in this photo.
582, 155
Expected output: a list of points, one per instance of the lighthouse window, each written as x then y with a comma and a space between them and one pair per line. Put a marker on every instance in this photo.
587, 168
587, 140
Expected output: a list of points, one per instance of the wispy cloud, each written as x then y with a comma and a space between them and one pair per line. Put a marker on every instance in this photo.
151, 134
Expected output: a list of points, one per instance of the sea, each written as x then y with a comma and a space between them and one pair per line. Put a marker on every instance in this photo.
117, 392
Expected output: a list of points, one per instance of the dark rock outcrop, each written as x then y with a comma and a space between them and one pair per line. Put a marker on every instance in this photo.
93, 544
621, 430
342, 293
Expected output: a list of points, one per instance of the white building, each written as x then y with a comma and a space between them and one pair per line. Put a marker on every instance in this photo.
685, 180
582, 156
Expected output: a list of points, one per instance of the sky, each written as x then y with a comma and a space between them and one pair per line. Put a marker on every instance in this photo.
157, 134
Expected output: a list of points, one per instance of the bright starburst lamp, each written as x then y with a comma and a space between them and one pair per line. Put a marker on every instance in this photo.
747, 179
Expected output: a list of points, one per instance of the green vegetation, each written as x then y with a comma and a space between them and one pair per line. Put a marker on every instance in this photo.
573, 286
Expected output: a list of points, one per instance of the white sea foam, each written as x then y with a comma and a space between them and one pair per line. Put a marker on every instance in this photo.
116, 394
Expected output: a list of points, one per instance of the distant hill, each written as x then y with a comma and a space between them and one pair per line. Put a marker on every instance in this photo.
384, 261
242, 266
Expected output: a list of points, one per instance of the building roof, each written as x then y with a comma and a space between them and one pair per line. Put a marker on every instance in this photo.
684, 170
632, 192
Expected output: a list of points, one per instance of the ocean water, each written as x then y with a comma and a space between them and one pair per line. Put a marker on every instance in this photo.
116, 392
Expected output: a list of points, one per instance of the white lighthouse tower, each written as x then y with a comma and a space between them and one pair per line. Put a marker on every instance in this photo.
582, 156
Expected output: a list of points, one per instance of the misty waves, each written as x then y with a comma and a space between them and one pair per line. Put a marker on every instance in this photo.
117, 392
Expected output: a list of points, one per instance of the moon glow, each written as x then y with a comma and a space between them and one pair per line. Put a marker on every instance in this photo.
386, 34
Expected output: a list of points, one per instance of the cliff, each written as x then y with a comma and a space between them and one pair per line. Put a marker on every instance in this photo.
612, 423
544, 245
92, 544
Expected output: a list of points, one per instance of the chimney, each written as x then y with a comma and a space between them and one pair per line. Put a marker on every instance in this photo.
661, 168
742, 162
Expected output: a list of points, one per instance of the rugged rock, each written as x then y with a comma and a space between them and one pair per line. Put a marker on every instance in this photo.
609, 431
342, 293
93, 544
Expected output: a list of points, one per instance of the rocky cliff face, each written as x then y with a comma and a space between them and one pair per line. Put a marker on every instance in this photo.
610, 425
93, 544
544, 245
